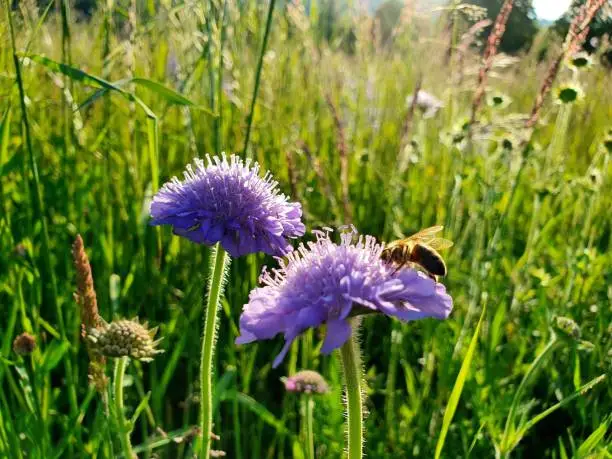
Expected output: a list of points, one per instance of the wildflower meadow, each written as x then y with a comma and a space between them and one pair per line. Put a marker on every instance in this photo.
305, 229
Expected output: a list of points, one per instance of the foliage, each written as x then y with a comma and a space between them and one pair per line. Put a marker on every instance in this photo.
522, 27
600, 27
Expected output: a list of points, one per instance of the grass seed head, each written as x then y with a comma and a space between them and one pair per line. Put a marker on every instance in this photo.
24, 344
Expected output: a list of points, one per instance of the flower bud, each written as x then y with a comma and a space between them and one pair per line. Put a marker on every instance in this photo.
24, 344
125, 338
306, 381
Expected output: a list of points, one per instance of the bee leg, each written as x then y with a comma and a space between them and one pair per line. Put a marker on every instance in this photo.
399, 266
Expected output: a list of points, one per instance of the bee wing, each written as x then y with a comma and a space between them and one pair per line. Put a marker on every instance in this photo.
438, 243
425, 235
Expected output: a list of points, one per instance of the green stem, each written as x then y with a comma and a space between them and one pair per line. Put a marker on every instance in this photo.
351, 363
310, 427
390, 384
124, 429
220, 263
258, 77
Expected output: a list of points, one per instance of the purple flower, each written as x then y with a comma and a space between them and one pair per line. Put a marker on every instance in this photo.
324, 282
228, 202
306, 381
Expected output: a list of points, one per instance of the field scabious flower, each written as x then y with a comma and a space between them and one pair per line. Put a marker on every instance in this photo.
227, 201
306, 381
325, 282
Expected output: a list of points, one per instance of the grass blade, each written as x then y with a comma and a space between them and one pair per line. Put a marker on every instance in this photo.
533, 368
590, 442
594, 439
453, 400
168, 94
73, 73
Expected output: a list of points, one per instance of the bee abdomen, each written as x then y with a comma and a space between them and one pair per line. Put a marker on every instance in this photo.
429, 259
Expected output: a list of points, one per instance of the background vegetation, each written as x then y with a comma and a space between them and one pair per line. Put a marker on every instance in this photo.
532, 228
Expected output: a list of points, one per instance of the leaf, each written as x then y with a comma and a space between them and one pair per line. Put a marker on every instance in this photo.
5, 125
533, 421
531, 371
76, 74
53, 355
73, 73
298, 452
221, 388
141, 406
176, 436
453, 400
15, 163
169, 94
594, 439
257, 408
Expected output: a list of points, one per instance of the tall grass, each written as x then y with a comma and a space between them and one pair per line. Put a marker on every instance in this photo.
196, 88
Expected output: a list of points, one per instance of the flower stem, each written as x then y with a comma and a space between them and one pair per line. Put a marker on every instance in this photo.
219, 266
351, 363
309, 427
124, 429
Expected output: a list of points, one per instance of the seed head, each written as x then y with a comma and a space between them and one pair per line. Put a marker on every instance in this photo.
24, 344
306, 381
580, 60
568, 94
85, 294
125, 338
567, 327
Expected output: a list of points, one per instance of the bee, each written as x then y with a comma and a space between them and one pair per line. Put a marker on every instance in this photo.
421, 249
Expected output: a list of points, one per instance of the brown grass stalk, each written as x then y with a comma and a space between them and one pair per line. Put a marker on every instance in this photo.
343, 154
576, 35
499, 27
85, 297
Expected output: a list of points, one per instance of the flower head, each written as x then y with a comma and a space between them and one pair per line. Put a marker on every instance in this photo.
125, 338
24, 344
325, 282
567, 94
427, 102
306, 381
226, 201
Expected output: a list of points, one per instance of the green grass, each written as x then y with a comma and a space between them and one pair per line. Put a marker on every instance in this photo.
532, 232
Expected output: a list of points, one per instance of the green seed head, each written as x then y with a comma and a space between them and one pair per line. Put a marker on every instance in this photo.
125, 338
568, 94
581, 60
567, 327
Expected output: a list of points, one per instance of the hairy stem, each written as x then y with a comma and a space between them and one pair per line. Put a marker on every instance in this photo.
351, 363
124, 430
219, 265
309, 427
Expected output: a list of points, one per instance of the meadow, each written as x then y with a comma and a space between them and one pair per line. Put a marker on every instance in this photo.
118, 103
